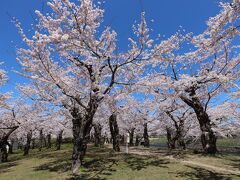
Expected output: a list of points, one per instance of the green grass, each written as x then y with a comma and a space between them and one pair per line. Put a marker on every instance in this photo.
228, 142
103, 163
221, 142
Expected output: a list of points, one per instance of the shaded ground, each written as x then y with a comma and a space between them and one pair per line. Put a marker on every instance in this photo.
102, 163
227, 163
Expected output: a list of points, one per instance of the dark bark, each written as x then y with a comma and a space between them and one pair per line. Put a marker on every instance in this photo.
137, 141
59, 140
3, 154
44, 141
122, 140
145, 135
28, 143
114, 132
107, 140
82, 125
33, 143
171, 141
10, 151
178, 135
49, 143
4, 143
97, 135
208, 137
40, 140
131, 135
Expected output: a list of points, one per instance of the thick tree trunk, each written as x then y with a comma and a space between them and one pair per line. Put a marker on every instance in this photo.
180, 136
40, 140
179, 130
208, 137
145, 136
3, 154
171, 142
79, 148
137, 141
131, 135
10, 151
49, 144
59, 140
4, 142
27, 145
82, 125
97, 135
79, 151
114, 132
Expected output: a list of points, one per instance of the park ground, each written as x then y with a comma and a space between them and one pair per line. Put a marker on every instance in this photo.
141, 164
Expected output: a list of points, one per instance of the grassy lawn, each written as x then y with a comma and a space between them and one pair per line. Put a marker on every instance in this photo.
221, 142
102, 163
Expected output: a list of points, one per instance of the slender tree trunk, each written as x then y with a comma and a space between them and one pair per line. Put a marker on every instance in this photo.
137, 141
208, 137
131, 135
97, 135
122, 140
49, 144
40, 140
145, 136
33, 143
114, 132
45, 141
59, 140
28, 143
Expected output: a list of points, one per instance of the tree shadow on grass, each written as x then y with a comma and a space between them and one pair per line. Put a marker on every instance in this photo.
52, 154
97, 169
138, 163
61, 165
98, 163
203, 174
5, 167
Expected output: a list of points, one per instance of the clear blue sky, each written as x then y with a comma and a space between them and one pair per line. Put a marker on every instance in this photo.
168, 15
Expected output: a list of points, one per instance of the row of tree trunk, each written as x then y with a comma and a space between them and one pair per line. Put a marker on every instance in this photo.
46, 140
117, 139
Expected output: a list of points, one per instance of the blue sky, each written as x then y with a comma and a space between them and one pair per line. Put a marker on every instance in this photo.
168, 15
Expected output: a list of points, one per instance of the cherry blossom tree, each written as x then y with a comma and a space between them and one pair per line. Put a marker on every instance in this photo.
73, 63
203, 74
7, 126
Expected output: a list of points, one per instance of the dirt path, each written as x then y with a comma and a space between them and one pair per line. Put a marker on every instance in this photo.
186, 162
214, 168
